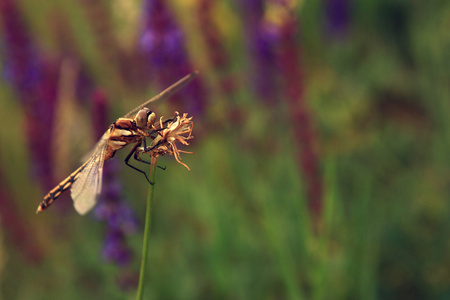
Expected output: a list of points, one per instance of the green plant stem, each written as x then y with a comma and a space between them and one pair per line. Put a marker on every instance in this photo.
148, 223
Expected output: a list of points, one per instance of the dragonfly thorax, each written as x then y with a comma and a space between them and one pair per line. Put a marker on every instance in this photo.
145, 118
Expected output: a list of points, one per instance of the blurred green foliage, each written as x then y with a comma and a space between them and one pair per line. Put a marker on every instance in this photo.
238, 226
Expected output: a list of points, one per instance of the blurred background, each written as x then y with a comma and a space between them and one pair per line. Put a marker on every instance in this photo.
321, 154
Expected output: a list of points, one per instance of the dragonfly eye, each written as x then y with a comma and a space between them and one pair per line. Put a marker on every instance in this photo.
151, 119
141, 117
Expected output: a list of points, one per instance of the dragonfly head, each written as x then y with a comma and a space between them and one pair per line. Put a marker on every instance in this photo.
145, 117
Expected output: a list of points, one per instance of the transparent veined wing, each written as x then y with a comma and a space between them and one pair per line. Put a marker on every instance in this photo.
97, 147
165, 94
86, 189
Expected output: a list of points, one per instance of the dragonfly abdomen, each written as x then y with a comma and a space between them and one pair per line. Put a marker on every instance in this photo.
59, 189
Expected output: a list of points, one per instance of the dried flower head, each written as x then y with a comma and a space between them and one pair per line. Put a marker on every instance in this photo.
177, 129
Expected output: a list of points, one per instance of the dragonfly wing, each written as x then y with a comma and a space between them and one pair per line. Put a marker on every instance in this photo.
98, 147
166, 93
87, 187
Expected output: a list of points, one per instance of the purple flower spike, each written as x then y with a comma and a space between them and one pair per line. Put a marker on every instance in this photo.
21, 65
34, 79
112, 210
337, 17
261, 41
162, 43
115, 248
118, 217
99, 112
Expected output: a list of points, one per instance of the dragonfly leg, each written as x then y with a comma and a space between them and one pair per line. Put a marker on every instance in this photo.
136, 157
127, 159
162, 127
150, 148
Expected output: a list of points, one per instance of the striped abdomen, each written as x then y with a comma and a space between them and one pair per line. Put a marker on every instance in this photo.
61, 187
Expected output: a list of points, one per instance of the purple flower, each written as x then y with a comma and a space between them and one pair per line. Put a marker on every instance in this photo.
21, 61
39, 112
118, 217
34, 79
337, 17
162, 42
99, 112
112, 210
115, 248
84, 87
261, 42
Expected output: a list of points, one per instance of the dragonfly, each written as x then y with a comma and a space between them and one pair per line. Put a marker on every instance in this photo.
85, 183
